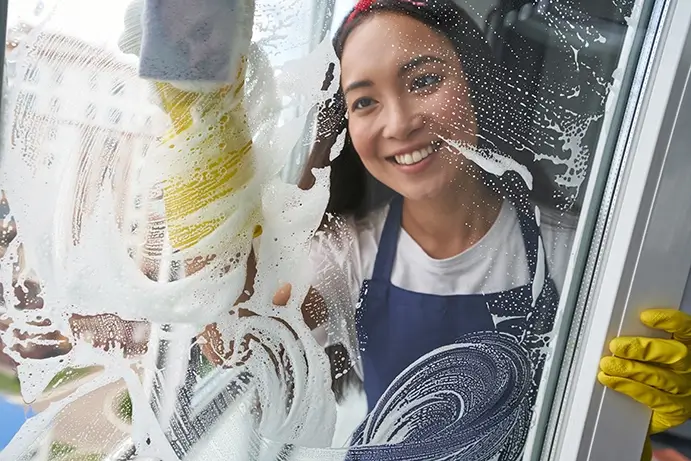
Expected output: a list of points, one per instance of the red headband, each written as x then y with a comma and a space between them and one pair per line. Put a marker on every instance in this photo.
364, 5
361, 6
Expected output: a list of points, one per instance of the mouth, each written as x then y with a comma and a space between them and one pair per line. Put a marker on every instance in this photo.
417, 156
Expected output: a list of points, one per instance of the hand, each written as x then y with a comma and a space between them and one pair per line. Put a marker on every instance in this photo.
282, 296
655, 372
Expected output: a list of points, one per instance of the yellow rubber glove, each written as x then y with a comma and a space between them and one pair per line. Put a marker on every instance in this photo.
655, 372
210, 136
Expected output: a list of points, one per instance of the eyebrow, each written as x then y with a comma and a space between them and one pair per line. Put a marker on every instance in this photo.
419, 61
356, 85
405, 68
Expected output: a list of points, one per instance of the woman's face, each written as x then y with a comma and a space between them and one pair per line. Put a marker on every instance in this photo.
405, 92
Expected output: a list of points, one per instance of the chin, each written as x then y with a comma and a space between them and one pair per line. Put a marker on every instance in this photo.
415, 194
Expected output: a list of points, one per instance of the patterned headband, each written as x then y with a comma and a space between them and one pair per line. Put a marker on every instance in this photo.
360, 7
365, 5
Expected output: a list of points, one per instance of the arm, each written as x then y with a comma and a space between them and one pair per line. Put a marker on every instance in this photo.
313, 307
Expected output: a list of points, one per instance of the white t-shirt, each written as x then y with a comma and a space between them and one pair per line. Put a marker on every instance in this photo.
343, 257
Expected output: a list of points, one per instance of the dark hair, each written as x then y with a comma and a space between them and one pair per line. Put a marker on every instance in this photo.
355, 192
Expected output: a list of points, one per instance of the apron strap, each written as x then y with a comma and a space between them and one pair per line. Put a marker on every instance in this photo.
388, 244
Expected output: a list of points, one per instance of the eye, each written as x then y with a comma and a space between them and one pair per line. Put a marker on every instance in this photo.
425, 81
362, 103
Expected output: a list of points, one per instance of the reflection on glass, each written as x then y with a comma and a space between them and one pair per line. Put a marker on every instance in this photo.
173, 296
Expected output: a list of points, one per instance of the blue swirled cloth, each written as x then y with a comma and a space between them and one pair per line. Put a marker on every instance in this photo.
466, 401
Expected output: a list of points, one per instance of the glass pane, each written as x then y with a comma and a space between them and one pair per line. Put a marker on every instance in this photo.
237, 232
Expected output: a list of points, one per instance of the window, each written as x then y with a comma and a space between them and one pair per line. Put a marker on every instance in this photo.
111, 144
38, 9
114, 116
93, 82
59, 77
32, 74
27, 102
452, 242
25, 110
118, 88
91, 111
54, 104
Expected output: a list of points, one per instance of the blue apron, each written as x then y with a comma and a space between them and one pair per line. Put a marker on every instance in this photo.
395, 327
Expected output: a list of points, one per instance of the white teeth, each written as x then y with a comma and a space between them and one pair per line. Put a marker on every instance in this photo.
414, 156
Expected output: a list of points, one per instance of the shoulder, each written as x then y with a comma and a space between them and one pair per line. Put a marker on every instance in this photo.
558, 230
371, 225
347, 246
342, 252
355, 231
557, 226
339, 233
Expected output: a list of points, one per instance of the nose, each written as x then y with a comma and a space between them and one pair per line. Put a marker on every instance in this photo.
401, 119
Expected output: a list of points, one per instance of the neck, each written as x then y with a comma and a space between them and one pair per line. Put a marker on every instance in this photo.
447, 226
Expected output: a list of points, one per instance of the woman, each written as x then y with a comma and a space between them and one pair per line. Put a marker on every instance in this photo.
458, 250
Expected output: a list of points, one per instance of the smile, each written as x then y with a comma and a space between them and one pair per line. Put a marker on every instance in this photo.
416, 156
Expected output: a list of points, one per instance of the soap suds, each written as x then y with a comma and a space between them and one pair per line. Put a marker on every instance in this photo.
88, 271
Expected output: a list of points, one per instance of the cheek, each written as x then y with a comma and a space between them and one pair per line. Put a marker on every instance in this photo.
453, 113
362, 139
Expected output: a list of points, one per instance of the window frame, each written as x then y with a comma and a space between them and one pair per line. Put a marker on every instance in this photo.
631, 270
